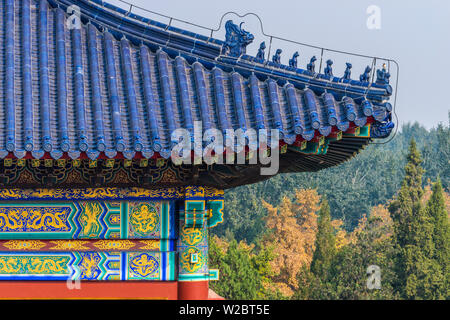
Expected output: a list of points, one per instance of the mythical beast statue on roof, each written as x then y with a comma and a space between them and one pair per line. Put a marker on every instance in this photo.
236, 39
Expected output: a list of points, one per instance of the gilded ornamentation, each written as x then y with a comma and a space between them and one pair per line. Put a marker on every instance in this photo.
114, 219
144, 265
192, 236
111, 246
33, 264
89, 219
57, 220
195, 192
215, 212
48, 265
114, 235
144, 219
69, 245
9, 265
108, 193
213, 192
114, 245
169, 176
150, 244
32, 219
89, 265
186, 263
24, 244
92, 265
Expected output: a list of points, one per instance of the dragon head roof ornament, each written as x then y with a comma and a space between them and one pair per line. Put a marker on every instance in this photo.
236, 39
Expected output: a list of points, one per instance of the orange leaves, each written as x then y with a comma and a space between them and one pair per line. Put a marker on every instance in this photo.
294, 226
380, 222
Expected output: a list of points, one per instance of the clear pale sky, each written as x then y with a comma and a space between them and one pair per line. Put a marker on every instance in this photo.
415, 33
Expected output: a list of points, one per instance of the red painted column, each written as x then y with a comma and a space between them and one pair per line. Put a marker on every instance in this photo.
193, 290
159, 290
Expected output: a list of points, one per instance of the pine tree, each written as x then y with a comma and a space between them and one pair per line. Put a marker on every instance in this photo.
325, 243
240, 278
441, 234
418, 275
370, 244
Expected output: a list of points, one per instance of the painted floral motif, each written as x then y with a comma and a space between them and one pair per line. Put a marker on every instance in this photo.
114, 245
24, 244
150, 244
69, 245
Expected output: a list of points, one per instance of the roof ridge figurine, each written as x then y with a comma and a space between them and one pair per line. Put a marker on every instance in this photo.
365, 77
261, 55
293, 62
348, 71
277, 57
329, 69
236, 39
311, 67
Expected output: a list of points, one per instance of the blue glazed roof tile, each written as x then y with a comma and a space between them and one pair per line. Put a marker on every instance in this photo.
97, 90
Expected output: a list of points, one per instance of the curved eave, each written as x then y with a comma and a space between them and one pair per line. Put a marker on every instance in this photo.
119, 86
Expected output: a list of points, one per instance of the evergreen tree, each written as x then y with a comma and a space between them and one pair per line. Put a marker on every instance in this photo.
418, 275
325, 243
239, 274
371, 244
441, 234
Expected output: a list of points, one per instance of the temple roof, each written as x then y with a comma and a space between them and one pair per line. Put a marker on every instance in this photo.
121, 84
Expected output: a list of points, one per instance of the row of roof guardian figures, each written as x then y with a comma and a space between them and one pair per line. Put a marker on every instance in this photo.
237, 40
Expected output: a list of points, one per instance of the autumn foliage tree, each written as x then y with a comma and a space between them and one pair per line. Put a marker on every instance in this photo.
299, 252
293, 226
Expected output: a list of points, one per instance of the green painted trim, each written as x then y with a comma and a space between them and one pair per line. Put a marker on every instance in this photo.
164, 245
112, 210
165, 223
124, 220
172, 266
194, 213
214, 274
364, 132
193, 277
313, 147
216, 207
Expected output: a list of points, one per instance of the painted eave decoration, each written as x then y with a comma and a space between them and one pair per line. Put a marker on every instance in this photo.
121, 84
